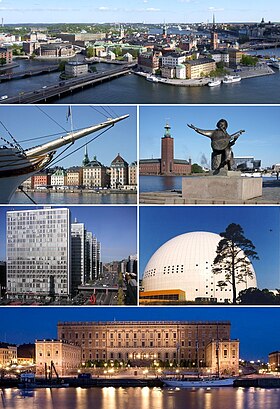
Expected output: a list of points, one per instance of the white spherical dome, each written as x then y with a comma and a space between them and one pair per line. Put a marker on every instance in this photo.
185, 263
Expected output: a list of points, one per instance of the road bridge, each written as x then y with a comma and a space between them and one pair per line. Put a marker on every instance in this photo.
65, 87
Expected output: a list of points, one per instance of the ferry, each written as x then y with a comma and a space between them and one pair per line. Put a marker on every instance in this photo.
151, 78
214, 83
230, 79
275, 63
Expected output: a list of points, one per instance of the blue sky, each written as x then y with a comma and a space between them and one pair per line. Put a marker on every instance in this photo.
260, 140
149, 11
261, 224
26, 122
114, 226
254, 327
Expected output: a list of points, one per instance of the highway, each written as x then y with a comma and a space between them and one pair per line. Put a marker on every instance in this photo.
65, 86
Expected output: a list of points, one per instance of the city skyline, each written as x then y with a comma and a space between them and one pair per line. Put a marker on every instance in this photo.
114, 226
260, 225
253, 326
258, 140
149, 11
51, 120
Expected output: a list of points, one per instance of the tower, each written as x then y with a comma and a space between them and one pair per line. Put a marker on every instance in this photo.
214, 36
86, 158
164, 30
167, 152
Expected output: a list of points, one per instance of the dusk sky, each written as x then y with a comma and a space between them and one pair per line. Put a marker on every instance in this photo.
28, 122
114, 226
260, 123
261, 224
149, 11
256, 328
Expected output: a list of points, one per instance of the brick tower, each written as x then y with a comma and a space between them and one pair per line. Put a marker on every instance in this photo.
167, 152
214, 36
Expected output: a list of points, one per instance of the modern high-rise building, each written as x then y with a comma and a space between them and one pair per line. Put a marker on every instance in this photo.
78, 243
38, 253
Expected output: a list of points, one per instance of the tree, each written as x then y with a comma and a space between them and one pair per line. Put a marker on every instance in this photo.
255, 296
248, 60
234, 252
196, 168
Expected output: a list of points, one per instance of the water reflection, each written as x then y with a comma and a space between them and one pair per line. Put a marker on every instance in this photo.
142, 398
75, 198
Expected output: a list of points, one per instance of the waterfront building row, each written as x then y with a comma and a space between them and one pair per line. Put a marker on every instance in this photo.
92, 174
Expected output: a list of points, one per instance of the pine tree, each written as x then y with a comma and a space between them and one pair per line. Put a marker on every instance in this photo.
234, 253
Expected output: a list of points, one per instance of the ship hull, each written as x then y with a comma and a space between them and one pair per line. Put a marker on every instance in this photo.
199, 383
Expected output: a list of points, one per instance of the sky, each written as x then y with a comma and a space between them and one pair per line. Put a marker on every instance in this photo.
255, 327
114, 226
27, 122
149, 11
261, 125
261, 224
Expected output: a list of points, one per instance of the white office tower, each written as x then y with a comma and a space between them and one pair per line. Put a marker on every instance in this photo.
38, 253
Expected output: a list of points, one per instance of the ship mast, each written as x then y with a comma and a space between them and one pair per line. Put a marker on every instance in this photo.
70, 138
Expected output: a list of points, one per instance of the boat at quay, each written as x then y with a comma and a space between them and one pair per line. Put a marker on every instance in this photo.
230, 79
214, 83
199, 382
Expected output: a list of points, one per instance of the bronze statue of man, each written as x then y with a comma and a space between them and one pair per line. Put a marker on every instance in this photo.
221, 143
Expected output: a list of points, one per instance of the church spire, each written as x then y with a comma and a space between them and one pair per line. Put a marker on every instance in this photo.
86, 158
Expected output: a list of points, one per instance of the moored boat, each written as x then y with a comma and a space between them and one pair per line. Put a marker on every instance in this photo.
230, 79
198, 382
214, 82
151, 78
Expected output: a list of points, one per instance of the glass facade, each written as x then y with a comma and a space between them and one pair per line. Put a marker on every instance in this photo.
38, 253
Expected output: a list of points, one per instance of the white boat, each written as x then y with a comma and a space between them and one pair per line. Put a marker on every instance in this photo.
214, 83
151, 78
199, 382
230, 79
18, 164
275, 63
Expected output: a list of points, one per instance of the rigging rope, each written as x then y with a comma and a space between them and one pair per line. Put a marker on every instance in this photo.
80, 147
40, 109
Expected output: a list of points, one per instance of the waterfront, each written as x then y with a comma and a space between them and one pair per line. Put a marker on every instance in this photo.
136, 90
142, 398
74, 198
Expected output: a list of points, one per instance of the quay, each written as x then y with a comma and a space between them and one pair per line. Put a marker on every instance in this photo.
271, 195
67, 86
29, 73
115, 382
246, 73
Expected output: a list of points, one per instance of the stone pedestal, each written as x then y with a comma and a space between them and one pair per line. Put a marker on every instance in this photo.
228, 189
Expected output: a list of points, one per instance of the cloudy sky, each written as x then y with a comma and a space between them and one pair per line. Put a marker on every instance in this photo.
149, 11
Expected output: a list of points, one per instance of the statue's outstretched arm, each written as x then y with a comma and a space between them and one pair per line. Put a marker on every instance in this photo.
201, 131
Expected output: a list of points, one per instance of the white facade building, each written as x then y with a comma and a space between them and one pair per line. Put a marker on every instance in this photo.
58, 178
38, 253
171, 60
185, 263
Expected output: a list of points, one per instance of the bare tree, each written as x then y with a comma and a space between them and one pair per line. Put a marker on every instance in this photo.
234, 253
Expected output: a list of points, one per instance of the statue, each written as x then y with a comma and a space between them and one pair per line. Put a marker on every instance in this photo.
221, 143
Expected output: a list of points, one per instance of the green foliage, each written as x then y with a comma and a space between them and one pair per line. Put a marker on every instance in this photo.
17, 49
234, 252
197, 168
90, 52
3, 61
254, 296
61, 65
249, 60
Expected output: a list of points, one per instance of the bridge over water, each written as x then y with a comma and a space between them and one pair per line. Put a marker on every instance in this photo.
67, 86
